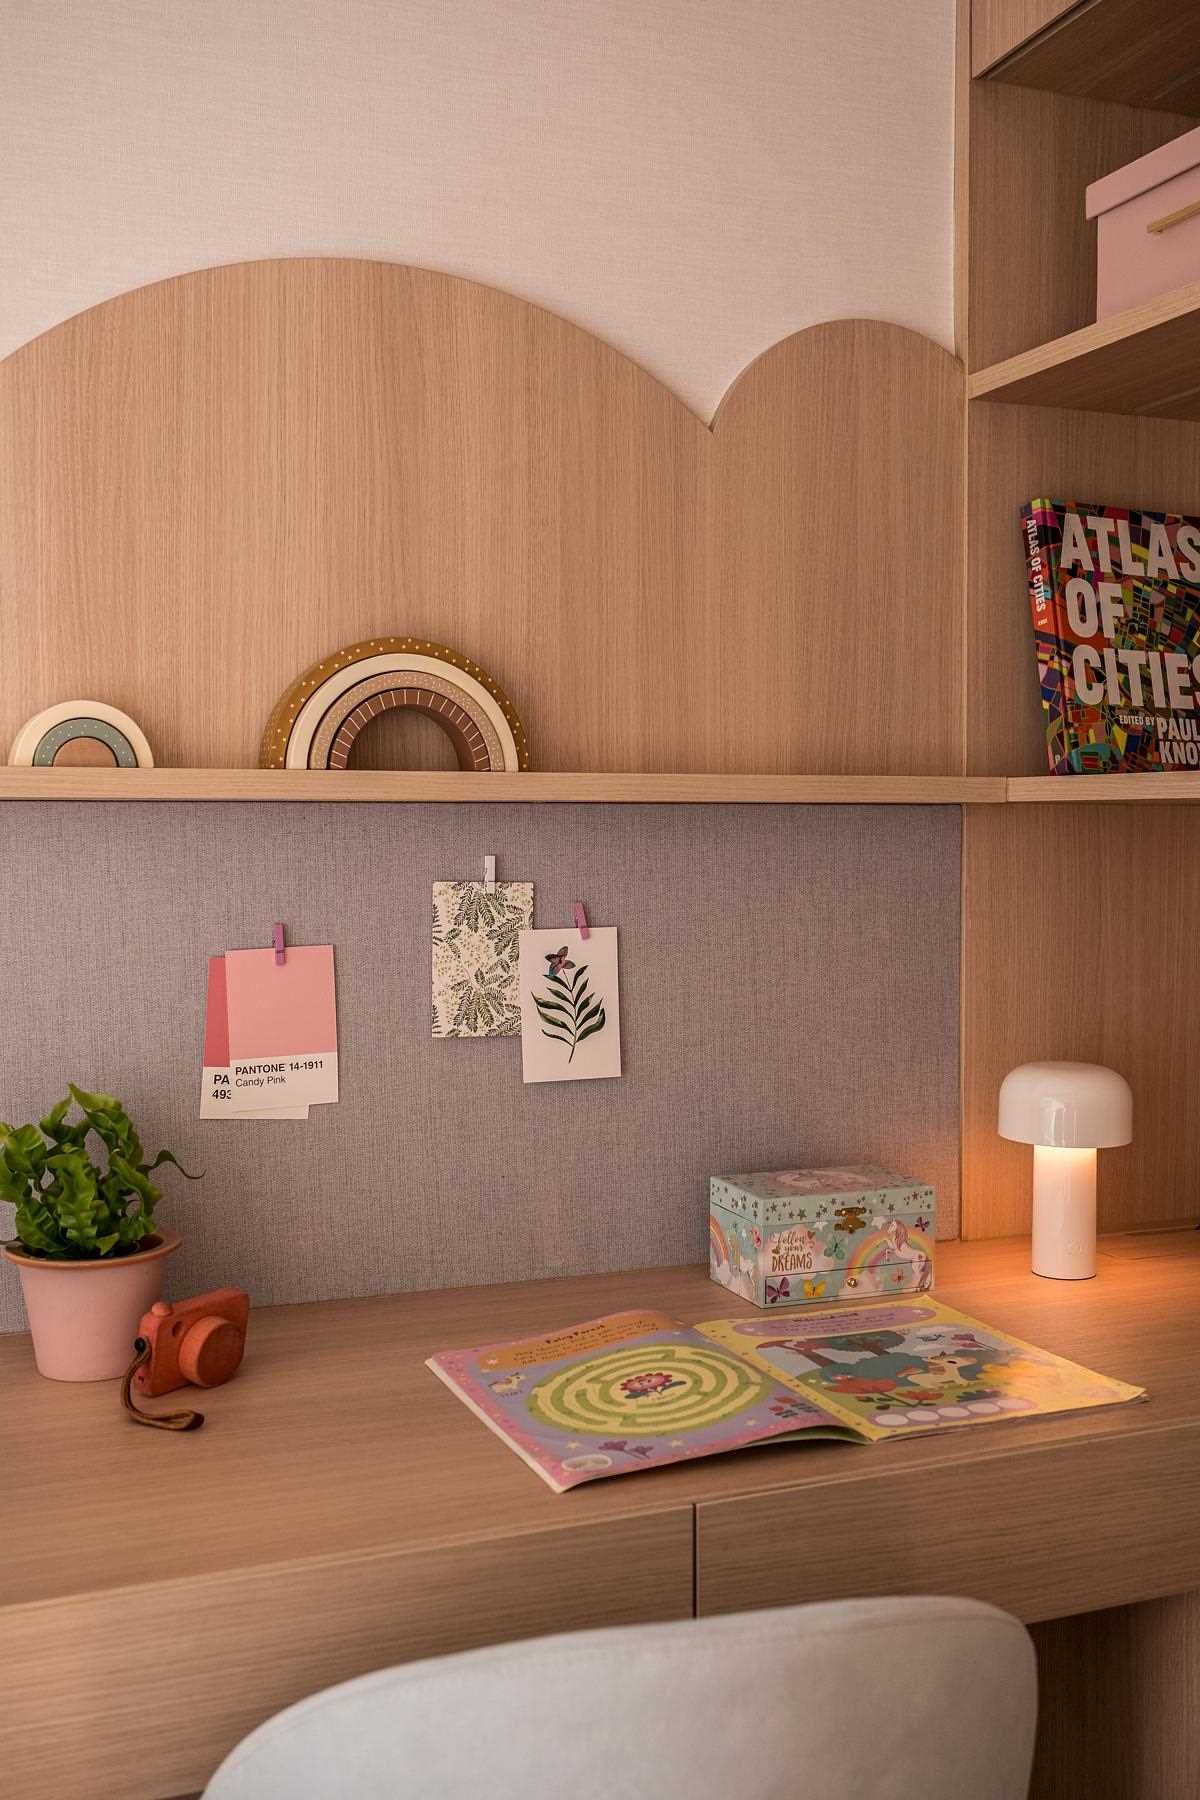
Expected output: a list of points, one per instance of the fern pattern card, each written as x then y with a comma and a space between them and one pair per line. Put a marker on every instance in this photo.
475, 945
570, 1008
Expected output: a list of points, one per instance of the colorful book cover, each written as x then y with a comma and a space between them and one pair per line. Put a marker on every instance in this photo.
1115, 599
638, 1390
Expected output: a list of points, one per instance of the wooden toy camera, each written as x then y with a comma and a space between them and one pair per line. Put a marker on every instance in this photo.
198, 1341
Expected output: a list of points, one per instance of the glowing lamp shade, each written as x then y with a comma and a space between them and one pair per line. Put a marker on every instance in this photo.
1067, 1111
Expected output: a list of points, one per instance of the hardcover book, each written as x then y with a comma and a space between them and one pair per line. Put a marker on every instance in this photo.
637, 1390
1115, 597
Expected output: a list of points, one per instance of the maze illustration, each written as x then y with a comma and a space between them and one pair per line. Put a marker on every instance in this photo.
645, 1390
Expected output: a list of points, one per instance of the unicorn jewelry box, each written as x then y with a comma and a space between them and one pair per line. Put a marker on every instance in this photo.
796, 1237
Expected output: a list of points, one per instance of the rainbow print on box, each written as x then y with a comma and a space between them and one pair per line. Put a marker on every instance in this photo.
796, 1237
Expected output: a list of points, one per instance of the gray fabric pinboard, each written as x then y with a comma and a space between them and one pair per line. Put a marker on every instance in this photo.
789, 995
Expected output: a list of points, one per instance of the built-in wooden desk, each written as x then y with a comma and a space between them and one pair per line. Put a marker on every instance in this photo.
340, 1510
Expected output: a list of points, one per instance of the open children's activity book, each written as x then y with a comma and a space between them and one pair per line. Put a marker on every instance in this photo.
636, 1390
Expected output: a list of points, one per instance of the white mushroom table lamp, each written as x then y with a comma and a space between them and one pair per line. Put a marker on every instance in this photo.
1067, 1111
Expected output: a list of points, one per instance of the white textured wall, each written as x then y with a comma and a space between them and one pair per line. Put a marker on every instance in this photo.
689, 179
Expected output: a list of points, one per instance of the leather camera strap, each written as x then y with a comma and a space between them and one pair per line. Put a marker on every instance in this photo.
176, 1421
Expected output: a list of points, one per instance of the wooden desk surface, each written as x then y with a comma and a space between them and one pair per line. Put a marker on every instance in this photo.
334, 1439
341, 1509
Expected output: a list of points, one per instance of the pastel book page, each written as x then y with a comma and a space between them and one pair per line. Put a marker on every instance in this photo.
282, 1027
216, 1077
629, 1391
476, 933
570, 1006
892, 1369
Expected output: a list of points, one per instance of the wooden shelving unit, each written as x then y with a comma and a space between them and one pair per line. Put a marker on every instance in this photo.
1144, 362
414, 786
1078, 892
1138, 52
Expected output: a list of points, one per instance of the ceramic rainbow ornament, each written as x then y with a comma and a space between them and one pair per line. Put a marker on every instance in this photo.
316, 721
81, 734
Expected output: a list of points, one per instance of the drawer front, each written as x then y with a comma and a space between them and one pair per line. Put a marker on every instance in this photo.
140, 1693
1059, 1529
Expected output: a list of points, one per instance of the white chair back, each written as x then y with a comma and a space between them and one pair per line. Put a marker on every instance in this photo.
859, 1700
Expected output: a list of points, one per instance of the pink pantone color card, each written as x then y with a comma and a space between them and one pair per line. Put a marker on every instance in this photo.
282, 1027
216, 1078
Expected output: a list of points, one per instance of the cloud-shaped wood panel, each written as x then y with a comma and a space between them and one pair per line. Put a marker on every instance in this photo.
209, 484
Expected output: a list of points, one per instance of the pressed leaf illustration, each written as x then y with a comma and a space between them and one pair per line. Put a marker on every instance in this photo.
476, 937
484, 1003
569, 1012
479, 910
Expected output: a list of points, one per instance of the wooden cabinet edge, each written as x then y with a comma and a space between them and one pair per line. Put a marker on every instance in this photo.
256, 1640
1027, 1559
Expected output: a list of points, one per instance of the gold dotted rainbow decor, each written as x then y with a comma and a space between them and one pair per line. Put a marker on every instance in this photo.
316, 722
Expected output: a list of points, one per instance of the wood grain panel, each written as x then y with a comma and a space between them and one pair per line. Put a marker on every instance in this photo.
962, 174
402, 739
816, 491
1139, 52
999, 26
1016, 454
207, 484
1074, 923
879, 1536
1117, 1716
1032, 250
184, 1669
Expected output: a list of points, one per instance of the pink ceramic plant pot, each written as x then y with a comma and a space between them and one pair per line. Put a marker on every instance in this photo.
84, 1315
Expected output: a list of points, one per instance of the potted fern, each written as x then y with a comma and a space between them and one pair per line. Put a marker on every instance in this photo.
90, 1257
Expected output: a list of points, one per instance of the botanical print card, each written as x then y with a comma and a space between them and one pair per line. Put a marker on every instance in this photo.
282, 1027
570, 1010
475, 936
216, 1077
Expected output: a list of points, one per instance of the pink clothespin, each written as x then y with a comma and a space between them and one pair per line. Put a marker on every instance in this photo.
278, 946
581, 919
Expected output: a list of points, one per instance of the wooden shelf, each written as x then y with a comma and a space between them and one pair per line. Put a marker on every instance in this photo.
1140, 52
1145, 362
1092, 788
415, 786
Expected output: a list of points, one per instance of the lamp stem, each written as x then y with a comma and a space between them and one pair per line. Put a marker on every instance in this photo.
1064, 1213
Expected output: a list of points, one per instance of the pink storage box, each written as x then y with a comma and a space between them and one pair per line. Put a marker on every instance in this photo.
1148, 236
